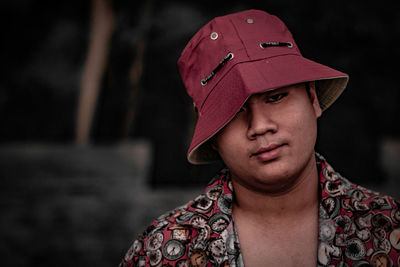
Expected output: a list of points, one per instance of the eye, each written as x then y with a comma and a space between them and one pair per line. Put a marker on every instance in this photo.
275, 97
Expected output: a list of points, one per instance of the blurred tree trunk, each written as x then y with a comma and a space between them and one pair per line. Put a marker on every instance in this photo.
102, 26
136, 69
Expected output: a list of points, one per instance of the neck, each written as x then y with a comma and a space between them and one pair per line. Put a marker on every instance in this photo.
300, 198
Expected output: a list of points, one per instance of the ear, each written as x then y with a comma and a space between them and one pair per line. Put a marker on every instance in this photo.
213, 144
314, 99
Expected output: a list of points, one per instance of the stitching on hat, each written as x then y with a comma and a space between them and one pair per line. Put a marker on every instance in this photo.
220, 65
239, 37
271, 44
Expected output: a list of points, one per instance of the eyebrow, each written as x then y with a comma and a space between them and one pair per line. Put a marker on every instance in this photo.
270, 92
284, 88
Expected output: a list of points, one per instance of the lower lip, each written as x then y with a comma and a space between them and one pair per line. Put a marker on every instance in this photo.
269, 155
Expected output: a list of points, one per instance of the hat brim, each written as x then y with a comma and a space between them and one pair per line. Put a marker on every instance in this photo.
252, 77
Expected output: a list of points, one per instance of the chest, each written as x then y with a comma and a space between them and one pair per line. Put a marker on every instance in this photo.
288, 245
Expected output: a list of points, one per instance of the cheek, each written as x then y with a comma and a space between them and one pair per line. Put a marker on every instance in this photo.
230, 141
226, 144
306, 130
302, 125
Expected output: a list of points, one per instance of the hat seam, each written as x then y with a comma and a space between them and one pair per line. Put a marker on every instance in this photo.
238, 35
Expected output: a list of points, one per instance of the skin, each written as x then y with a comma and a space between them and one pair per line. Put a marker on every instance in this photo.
285, 117
269, 149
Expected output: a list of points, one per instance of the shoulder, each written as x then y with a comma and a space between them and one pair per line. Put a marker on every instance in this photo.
184, 230
353, 198
339, 195
356, 224
147, 246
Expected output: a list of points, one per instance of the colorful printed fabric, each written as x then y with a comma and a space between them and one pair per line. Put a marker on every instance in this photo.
357, 227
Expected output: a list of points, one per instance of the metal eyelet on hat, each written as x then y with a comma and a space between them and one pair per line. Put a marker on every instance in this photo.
250, 21
271, 44
205, 80
214, 36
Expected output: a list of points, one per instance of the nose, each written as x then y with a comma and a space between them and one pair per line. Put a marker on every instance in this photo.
260, 121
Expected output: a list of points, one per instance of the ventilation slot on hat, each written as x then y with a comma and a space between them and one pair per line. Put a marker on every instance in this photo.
220, 65
270, 44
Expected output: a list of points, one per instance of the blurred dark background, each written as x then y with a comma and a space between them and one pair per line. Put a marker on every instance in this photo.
95, 122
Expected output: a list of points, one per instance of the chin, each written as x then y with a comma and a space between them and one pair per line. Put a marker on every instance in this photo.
274, 178
274, 185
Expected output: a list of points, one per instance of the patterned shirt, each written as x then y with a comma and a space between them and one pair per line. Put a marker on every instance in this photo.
357, 227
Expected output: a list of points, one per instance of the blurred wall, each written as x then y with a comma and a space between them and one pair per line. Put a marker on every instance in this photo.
46, 45
44, 50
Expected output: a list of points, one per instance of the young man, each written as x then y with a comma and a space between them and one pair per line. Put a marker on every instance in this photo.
278, 203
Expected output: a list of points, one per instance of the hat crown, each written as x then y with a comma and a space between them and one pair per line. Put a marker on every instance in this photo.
239, 33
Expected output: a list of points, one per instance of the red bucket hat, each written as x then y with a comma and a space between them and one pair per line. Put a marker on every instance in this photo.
238, 55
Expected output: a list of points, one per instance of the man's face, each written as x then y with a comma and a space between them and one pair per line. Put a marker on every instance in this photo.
271, 140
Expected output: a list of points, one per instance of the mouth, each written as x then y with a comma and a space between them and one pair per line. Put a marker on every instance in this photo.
268, 153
